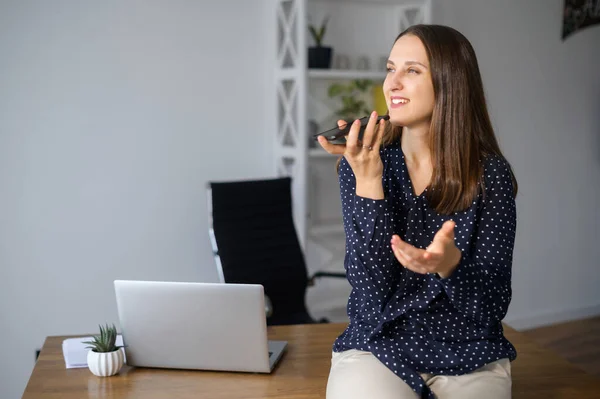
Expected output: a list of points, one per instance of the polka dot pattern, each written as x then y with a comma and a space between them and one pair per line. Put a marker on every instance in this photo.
420, 323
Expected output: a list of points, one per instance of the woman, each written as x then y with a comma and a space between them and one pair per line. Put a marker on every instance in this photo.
429, 213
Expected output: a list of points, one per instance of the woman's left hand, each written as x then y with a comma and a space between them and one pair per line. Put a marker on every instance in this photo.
441, 256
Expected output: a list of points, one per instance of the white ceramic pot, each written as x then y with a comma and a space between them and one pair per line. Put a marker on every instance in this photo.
105, 364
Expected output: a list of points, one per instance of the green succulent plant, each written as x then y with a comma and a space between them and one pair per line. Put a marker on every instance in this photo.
318, 33
105, 342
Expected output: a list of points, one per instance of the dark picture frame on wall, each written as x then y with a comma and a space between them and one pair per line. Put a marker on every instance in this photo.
579, 14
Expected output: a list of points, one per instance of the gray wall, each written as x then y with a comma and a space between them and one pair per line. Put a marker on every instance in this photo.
544, 97
113, 116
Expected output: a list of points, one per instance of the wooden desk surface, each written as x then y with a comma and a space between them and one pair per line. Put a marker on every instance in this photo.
301, 374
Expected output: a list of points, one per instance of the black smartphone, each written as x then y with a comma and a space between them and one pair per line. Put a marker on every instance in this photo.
337, 135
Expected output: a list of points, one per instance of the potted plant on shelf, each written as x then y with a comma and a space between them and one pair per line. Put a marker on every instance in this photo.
105, 358
352, 95
319, 56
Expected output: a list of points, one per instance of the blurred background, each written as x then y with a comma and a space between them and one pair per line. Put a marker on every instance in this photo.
114, 115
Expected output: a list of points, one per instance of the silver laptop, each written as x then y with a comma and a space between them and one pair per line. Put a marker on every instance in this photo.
202, 326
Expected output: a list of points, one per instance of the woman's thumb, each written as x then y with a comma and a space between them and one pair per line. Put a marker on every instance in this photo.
449, 227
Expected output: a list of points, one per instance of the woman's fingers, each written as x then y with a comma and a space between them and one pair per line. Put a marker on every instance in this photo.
380, 129
409, 250
410, 257
370, 133
352, 138
409, 263
336, 149
400, 256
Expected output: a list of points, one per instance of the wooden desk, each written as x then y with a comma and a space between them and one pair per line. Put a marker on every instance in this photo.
301, 374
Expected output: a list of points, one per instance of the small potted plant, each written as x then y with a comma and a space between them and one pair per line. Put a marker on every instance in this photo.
105, 358
319, 56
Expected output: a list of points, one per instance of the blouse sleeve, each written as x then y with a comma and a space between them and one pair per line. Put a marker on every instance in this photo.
480, 286
370, 263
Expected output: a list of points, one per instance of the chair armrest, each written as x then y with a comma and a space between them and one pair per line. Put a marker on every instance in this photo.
311, 280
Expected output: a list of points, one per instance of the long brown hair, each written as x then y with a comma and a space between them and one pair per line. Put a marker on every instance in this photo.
461, 134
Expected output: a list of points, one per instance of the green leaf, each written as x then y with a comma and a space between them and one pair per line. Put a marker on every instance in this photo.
315, 35
352, 106
318, 35
105, 342
323, 29
321, 33
335, 90
363, 84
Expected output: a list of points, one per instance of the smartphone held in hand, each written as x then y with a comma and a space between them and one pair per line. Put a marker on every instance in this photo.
337, 134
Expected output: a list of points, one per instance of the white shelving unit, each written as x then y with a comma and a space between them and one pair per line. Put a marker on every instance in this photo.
357, 29
344, 74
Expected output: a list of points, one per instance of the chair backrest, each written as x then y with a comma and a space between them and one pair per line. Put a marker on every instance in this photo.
256, 242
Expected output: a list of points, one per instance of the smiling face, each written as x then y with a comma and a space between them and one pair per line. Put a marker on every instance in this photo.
408, 87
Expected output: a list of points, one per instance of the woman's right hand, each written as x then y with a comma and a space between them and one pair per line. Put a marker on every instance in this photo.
363, 157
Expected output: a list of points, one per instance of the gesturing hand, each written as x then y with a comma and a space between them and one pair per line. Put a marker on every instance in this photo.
363, 157
441, 256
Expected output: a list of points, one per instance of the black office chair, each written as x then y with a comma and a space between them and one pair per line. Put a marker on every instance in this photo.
255, 242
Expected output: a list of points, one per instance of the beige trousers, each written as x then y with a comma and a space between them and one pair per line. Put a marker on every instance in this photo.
360, 375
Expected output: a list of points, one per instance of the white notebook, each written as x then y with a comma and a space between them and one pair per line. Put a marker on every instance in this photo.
75, 351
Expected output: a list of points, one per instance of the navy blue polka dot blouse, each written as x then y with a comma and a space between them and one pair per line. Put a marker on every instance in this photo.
420, 323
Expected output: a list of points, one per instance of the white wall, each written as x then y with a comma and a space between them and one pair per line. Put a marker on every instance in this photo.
113, 116
544, 97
